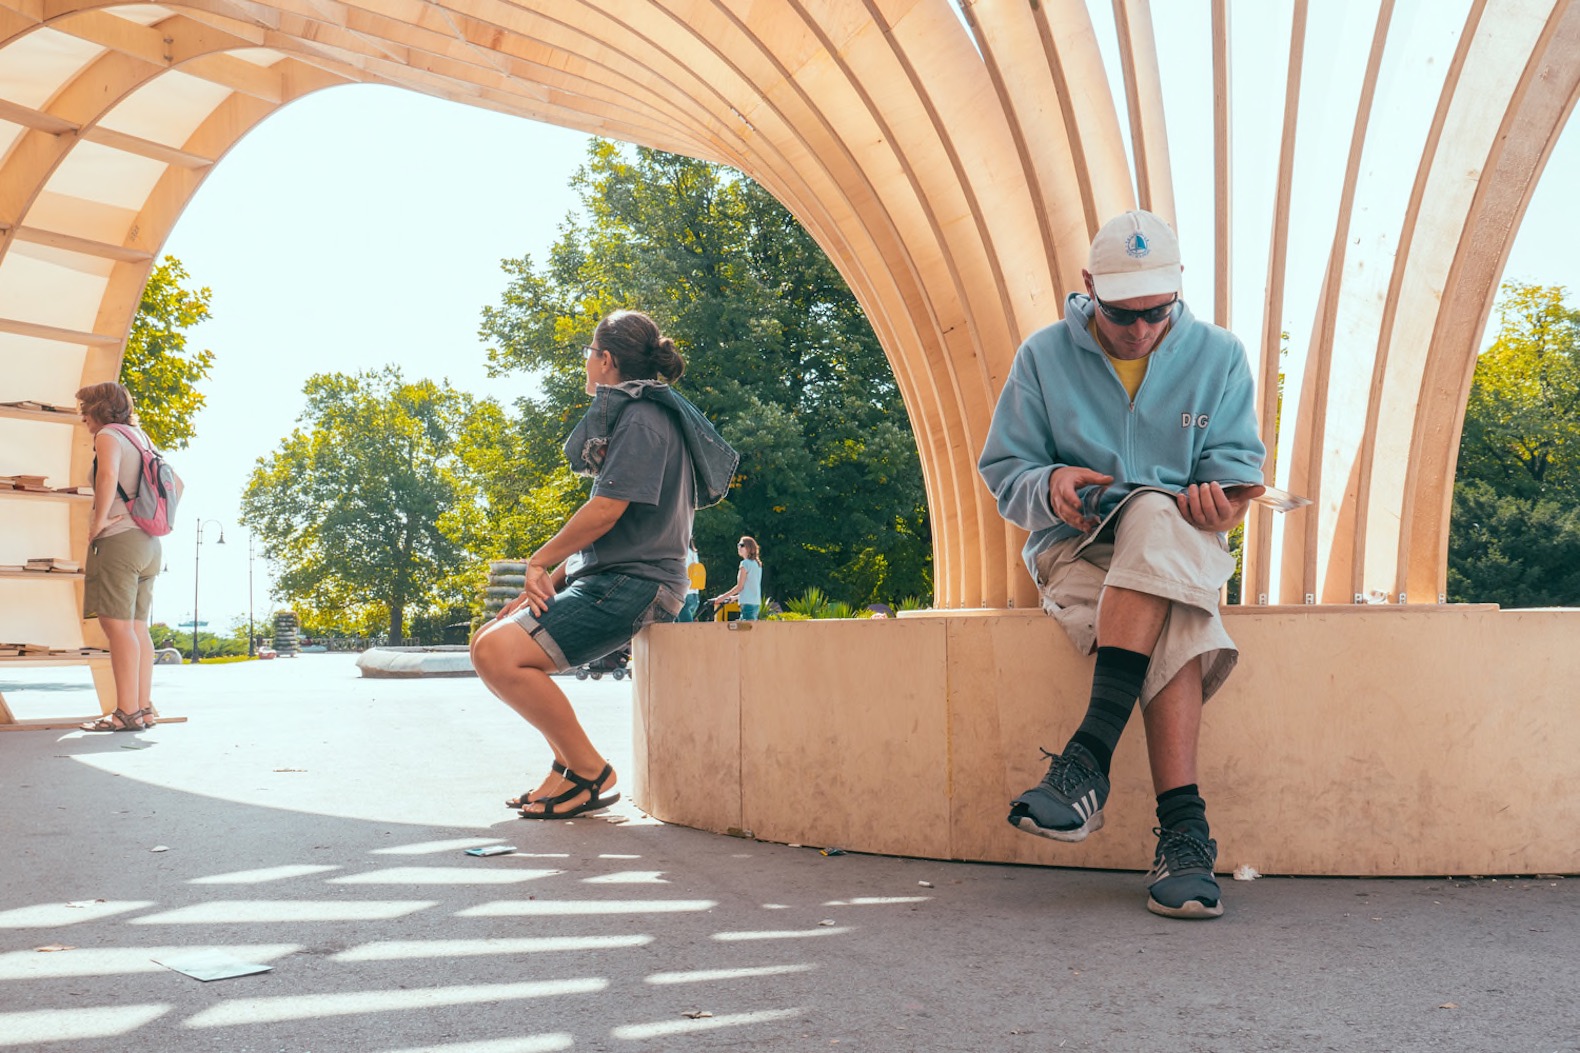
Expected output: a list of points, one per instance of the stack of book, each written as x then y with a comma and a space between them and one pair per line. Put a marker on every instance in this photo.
47, 564
22, 650
42, 407
31, 483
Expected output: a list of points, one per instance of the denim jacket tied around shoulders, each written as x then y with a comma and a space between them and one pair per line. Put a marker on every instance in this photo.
713, 461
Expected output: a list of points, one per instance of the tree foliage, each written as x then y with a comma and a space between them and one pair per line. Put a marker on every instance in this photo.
158, 370
362, 505
1515, 533
778, 354
1522, 423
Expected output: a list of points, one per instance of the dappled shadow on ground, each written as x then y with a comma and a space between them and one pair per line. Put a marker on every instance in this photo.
313, 840
383, 936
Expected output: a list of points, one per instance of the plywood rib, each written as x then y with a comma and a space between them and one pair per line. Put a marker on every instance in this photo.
1149, 142
1545, 98
954, 169
84, 246
1396, 343
811, 136
1322, 342
29, 165
888, 278
1259, 524
1222, 177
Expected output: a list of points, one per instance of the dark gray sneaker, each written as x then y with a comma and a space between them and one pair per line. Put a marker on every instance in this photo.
1068, 803
1181, 884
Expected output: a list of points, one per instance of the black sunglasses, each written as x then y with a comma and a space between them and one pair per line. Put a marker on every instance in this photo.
1125, 316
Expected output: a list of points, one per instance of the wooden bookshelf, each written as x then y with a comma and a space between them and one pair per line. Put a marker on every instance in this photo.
35, 495
19, 413
55, 659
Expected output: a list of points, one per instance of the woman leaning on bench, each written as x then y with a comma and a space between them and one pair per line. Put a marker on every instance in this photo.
618, 563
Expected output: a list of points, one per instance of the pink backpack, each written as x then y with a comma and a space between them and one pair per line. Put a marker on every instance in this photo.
153, 507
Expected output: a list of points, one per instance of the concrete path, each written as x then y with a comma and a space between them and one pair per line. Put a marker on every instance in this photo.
314, 821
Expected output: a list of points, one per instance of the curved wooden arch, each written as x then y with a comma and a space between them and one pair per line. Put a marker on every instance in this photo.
953, 167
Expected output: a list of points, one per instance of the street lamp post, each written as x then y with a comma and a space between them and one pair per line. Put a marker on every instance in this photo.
197, 559
249, 596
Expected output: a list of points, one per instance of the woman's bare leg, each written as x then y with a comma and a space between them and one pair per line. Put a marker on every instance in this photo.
145, 668
513, 666
126, 663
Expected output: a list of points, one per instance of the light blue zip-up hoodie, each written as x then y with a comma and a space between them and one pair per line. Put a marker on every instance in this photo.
1193, 420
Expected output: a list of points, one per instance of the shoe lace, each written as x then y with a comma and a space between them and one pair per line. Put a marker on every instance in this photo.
1184, 851
1065, 775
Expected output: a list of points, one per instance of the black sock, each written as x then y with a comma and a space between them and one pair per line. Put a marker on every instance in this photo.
1183, 809
1116, 684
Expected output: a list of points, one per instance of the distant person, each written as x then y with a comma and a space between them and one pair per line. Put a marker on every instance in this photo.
1132, 415
618, 563
696, 581
123, 559
748, 591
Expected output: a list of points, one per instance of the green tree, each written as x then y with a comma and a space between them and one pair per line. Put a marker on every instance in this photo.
1515, 535
158, 370
778, 354
1522, 422
355, 506
1514, 551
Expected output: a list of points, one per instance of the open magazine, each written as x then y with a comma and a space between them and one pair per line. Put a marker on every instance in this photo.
1274, 498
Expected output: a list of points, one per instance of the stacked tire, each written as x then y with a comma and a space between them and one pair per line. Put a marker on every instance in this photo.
286, 632
506, 578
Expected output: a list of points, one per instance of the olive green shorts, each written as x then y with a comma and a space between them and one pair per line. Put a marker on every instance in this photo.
120, 576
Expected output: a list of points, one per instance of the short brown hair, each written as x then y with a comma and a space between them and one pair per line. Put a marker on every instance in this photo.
107, 403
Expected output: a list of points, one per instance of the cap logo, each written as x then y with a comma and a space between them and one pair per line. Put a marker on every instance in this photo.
1137, 245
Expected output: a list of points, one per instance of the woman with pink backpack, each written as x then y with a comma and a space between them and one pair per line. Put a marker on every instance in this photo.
123, 556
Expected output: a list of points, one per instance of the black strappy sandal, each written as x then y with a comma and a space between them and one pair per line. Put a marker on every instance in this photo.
517, 803
592, 787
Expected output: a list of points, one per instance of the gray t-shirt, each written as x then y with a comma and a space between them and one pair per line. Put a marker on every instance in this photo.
647, 464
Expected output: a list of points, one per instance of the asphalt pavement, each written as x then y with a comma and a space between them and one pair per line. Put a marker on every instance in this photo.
315, 822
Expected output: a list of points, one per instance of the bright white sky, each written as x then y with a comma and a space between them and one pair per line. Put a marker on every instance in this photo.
331, 245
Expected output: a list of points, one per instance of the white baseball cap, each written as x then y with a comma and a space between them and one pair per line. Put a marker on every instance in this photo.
1135, 254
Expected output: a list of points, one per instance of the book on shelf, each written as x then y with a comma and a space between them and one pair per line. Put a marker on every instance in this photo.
35, 483
52, 563
41, 407
84, 490
22, 650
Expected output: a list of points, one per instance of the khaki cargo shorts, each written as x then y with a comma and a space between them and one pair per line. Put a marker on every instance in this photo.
120, 576
1155, 551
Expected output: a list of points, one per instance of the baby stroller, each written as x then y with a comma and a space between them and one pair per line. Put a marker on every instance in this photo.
616, 663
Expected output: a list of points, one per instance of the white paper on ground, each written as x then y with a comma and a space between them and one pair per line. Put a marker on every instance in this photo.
211, 965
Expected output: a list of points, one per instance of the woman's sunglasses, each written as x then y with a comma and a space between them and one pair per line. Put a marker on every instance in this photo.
1150, 315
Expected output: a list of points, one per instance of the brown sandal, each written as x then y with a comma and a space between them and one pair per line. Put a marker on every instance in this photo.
117, 720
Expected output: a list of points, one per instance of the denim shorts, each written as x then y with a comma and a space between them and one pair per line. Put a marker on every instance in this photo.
597, 615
